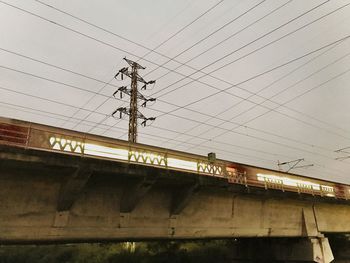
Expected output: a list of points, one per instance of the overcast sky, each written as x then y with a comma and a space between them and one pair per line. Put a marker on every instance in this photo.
290, 60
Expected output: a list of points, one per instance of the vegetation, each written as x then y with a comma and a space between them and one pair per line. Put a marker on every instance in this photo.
142, 252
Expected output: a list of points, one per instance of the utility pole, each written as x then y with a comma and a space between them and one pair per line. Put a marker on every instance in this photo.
135, 96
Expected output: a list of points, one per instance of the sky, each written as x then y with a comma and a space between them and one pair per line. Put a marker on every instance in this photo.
256, 82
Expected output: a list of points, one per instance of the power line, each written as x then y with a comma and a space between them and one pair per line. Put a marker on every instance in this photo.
183, 28
222, 41
88, 101
185, 118
298, 96
163, 113
106, 83
41, 112
156, 127
290, 61
153, 50
256, 137
278, 93
264, 88
110, 32
254, 77
80, 120
61, 117
228, 144
242, 47
102, 42
118, 35
214, 32
209, 115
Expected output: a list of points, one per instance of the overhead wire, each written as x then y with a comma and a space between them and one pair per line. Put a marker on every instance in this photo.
254, 77
111, 32
248, 54
91, 124
102, 42
80, 120
146, 47
126, 39
213, 33
107, 115
276, 94
182, 29
192, 45
163, 113
224, 129
292, 99
104, 95
41, 112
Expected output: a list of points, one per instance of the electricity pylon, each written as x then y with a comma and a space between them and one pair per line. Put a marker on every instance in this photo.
135, 96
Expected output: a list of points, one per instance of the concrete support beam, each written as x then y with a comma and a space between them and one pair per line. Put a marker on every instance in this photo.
72, 188
309, 224
182, 197
134, 192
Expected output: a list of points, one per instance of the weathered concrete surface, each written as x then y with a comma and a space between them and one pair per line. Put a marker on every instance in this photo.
47, 197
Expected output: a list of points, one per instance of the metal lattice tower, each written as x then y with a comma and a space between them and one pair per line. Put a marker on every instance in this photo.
132, 137
135, 96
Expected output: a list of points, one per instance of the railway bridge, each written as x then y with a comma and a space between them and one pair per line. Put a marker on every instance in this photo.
63, 186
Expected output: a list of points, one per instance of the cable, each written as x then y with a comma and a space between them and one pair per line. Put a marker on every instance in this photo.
99, 41
182, 29
57, 67
88, 101
104, 115
290, 100
251, 78
112, 127
278, 93
163, 113
41, 113
225, 143
102, 42
244, 56
113, 33
136, 43
214, 32
316, 164
264, 88
222, 41
61, 115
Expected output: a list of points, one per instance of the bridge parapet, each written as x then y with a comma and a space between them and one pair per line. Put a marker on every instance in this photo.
45, 138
